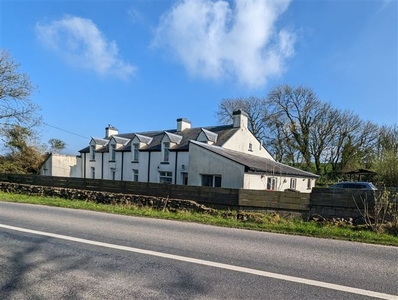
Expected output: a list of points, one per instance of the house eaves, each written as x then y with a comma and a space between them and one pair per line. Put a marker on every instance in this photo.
256, 164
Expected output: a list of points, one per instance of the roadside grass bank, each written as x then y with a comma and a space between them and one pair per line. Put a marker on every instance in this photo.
268, 222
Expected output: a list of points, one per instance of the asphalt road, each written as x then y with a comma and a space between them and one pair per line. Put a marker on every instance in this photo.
55, 253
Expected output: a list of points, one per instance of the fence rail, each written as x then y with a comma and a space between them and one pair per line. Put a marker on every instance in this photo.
322, 201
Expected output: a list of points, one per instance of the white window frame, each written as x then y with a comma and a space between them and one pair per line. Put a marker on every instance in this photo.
92, 172
215, 180
272, 183
113, 173
112, 152
309, 184
135, 151
165, 177
135, 175
166, 151
293, 183
92, 152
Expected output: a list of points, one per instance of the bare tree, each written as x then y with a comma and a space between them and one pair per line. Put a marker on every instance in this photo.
352, 143
16, 88
322, 132
255, 109
301, 130
294, 111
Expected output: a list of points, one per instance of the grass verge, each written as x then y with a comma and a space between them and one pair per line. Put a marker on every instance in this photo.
258, 221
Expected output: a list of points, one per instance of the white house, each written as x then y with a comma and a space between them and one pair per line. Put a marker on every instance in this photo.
227, 156
61, 165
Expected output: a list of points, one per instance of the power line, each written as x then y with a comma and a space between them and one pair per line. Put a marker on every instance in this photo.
67, 131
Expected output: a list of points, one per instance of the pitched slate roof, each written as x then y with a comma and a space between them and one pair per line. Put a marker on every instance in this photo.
102, 142
255, 163
223, 132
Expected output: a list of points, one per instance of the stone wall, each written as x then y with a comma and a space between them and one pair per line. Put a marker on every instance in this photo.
159, 203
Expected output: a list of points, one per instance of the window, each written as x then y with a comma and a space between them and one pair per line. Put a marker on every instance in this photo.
135, 175
293, 182
211, 180
309, 183
166, 151
113, 173
165, 177
271, 183
217, 181
185, 178
113, 152
135, 152
92, 172
92, 152
250, 147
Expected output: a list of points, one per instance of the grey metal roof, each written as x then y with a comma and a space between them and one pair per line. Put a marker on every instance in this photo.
255, 163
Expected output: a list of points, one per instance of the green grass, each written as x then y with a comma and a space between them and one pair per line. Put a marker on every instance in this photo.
255, 221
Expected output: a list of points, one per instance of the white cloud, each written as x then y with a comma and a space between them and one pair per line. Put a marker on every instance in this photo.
215, 39
82, 44
135, 16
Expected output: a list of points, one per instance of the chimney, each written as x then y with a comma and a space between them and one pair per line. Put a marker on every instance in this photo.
110, 130
183, 124
240, 119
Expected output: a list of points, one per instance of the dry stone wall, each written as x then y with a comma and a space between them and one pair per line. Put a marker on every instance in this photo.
105, 197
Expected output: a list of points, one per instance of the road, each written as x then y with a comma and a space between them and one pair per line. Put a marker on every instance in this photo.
57, 253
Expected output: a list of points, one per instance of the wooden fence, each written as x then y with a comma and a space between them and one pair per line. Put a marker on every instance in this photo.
216, 197
205, 195
323, 201
271, 200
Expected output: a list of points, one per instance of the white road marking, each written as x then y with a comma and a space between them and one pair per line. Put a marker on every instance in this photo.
321, 284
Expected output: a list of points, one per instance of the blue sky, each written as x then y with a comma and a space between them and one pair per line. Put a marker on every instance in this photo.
141, 64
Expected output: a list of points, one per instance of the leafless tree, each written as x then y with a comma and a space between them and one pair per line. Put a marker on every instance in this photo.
16, 107
294, 111
301, 130
255, 109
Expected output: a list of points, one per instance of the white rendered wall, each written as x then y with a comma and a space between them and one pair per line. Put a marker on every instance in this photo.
241, 140
202, 161
62, 165
259, 182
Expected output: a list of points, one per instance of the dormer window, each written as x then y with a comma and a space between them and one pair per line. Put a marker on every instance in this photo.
166, 151
96, 145
113, 152
207, 136
135, 151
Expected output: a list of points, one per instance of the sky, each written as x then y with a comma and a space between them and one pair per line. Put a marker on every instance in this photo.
141, 64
